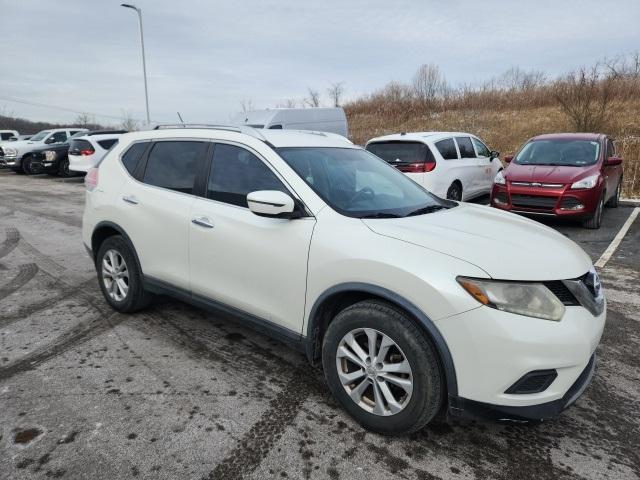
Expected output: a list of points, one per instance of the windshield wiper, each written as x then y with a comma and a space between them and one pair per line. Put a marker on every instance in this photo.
382, 215
423, 210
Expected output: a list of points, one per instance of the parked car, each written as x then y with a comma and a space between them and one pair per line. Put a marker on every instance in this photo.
567, 175
17, 155
332, 120
6, 135
54, 159
411, 303
457, 166
85, 152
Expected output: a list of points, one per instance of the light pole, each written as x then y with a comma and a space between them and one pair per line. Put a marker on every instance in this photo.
144, 62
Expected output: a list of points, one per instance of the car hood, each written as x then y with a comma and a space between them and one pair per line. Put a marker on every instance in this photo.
504, 245
548, 173
20, 144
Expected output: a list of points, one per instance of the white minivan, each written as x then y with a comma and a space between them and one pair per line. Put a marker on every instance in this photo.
453, 165
331, 120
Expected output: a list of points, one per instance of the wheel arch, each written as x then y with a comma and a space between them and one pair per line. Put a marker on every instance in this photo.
339, 297
106, 229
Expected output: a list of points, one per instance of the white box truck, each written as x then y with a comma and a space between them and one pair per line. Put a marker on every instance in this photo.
332, 120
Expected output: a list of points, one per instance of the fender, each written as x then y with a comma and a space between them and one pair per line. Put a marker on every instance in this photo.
424, 321
126, 237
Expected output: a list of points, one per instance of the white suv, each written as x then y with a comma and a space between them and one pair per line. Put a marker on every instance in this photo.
411, 303
457, 166
85, 152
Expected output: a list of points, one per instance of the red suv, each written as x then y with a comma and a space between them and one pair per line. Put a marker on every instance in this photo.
566, 175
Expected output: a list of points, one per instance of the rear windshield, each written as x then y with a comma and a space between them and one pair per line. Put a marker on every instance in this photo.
571, 153
78, 145
399, 153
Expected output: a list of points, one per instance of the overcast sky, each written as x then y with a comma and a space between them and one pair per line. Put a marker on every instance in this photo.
205, 56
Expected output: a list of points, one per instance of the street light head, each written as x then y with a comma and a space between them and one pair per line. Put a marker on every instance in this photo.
127, 5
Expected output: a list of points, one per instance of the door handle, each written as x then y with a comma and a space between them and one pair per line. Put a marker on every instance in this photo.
202, 222
130, 199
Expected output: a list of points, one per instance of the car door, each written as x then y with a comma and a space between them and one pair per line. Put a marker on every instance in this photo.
155, 209
449, 170
469, 168
612, 173
488, 167
242, 260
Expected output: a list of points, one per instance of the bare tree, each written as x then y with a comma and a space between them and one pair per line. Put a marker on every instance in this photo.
246, 105
586, 97
396, 92
335, 91
128, 122
313, 100
624, 66
518, 80
85, 120
429, 83
289, 103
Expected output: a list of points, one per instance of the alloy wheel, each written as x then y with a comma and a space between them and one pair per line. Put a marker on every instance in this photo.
115, 275
374, 371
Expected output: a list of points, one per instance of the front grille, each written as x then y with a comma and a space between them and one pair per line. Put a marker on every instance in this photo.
560, 290
533, 382
534, 201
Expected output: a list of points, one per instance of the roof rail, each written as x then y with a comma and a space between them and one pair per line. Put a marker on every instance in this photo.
252, 132
105, 132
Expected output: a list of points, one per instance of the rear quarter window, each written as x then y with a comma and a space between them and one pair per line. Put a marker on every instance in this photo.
132, 156
107, 144
447, 149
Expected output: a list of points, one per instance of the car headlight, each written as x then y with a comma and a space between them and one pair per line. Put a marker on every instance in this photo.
499, 179
586, 183
10, 152
530, 299
50, 155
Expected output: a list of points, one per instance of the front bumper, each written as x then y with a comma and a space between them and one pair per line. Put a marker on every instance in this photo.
561, 201
463, 407
492, 350
8, 162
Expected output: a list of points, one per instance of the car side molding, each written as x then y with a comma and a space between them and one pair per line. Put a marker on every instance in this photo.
313, 325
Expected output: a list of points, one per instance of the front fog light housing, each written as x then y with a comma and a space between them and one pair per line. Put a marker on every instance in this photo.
528, 299
50, 155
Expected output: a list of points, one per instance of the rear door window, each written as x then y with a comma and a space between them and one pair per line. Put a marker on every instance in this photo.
174, 165
466, 147
236, 172
447, 149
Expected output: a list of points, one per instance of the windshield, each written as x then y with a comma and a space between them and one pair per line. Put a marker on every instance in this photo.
572, 153
39, 136
358, 184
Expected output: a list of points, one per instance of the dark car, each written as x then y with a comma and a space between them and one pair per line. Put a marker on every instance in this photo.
54, 160
567, 175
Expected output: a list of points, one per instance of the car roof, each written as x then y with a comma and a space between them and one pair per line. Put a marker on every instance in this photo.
276, 138
570, 136
419, 136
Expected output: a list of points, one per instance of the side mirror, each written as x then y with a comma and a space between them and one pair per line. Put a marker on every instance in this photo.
612, 161
508, 158
494, 154
271, 203
50, 140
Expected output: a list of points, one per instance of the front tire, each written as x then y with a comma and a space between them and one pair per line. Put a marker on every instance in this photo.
26, 165
595, 221
382, 368
63, 168
120, 280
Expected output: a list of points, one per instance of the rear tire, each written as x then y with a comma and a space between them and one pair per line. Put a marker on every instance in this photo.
119, 277
455, 191
595, 221
411, 411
